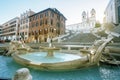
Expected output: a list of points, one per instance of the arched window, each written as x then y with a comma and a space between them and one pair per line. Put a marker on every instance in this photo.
46, 21
45, 31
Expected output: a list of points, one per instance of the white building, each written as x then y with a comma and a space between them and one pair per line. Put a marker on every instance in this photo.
118, 3
24, 24
112, 12
74, 27
10, 29
87, 24
0, 32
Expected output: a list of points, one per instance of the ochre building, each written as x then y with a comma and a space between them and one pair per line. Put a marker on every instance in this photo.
45, 24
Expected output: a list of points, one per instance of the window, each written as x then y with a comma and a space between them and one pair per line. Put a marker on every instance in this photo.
26, 20
61, 19
33, 25
41, 23
25, 33
32, 33
46, 14
36, 24
33, 18
30, 19
58, 24
50, 29
45, 31
21, 22
58, 17
40, 31
83, 16
41, 15
36, 17
51, 22
29, 34
52, 14
26, 26
46, 21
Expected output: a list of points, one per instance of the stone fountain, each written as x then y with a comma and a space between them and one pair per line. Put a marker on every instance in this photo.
48, 61
50, 49
15, 46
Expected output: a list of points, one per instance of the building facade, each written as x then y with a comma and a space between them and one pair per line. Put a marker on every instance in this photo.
112, 12
45, 24
24, 25
89, 21
87, 24
118, 3
10, 29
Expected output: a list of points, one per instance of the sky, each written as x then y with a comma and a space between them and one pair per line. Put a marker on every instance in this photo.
71, 9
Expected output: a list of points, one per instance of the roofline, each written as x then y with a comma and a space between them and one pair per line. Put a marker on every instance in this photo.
51, 9
11, 20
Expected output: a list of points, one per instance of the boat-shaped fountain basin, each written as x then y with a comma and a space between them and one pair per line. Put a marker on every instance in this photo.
59, 62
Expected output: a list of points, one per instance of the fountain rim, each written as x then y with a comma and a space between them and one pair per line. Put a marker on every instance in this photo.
58, 66
17, 54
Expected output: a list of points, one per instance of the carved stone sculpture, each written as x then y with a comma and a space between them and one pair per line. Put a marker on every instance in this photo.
17, 45
22, 74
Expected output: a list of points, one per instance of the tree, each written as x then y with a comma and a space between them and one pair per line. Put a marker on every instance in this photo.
108, 26
97, 25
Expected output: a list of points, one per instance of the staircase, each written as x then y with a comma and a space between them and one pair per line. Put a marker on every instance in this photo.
82, 37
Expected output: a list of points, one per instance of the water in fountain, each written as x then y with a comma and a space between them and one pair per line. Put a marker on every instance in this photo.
40, 57
8, 68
